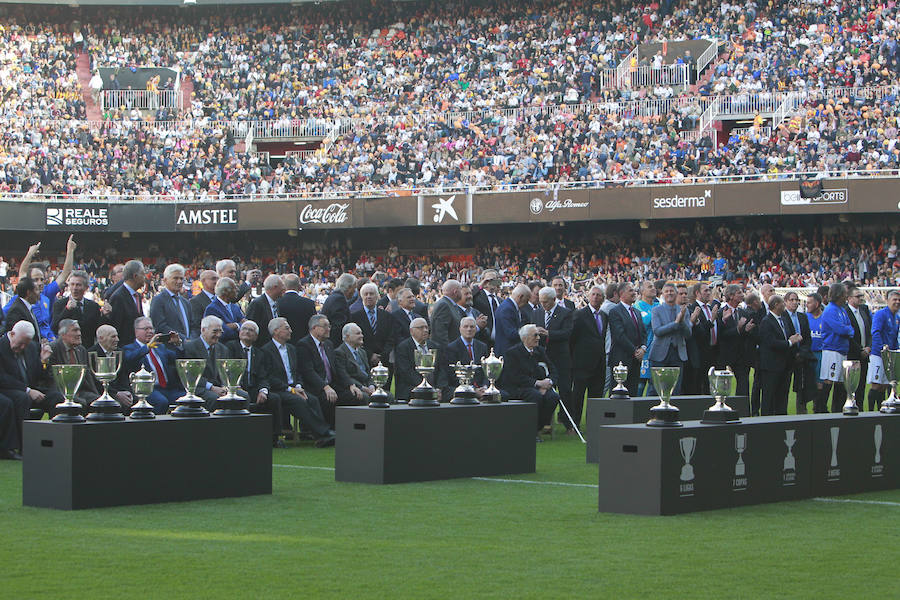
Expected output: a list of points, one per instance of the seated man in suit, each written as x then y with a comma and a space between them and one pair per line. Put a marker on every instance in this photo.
108, 341
529, 375
354, 359
322, 374
10, 442
156, 352
464, 349
207, 347
67, 350
170, 310
23, 370
76, 306
285, 383
225, 306
406, 376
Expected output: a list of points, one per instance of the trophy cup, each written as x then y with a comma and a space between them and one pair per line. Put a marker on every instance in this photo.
379, 398
720, 385
851, 380
790, 463
620, 374
687, 446
465, 393
68, 379
664, 414
492, 366
190, 370
740, 445
424, 394
105, 368
142, 383
891, 360
230, 372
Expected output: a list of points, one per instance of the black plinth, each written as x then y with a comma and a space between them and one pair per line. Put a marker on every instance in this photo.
89, 465
405, 443
613, 411
660, 471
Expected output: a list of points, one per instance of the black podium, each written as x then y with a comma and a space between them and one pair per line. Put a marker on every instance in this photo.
664, 471
613, 411
95, 464
405, 443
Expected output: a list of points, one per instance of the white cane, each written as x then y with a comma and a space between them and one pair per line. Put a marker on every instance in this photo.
572, 421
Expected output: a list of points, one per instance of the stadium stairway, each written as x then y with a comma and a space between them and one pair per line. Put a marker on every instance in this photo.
83, 71
187, 92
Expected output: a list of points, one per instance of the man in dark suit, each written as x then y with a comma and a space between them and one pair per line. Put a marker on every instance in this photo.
207, 347
10, 442
390, 292
861, 342
533, 303
23, 370
486, 300
377, 328
169, 310
76, 306
113, 281
107, 342
560, 287
208, 280
777, 347
804, 365
156, 352
590, 326
464, 349
265, 308
403, 315
508, 319
295, 308
126, 304
66, 349
227, 268
255, 380
446, 313
353, 358
287, 386
322, 374
705, 334
420, 307
337, 307
555, 325
735, 341
481, 320
225, 306
21, 307
405, 362
628, 336
529, 375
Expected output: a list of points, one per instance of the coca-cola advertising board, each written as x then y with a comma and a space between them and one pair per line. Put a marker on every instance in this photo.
325, 214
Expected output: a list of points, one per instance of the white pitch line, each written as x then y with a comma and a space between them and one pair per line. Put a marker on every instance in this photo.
303, 467
849, 501
587, 485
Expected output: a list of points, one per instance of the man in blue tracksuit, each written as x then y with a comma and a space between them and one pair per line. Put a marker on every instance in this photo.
836, 334
885, 326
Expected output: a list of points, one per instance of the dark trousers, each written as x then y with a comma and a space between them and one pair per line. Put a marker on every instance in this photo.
272, 406
775, 387
805, 378
21, 404
592, 383
9, 433
633, 382
345, 398
742, 381
546, 404
308, 410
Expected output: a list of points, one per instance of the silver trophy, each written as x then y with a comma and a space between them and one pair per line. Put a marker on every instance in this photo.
465, 393
620, 374
231, 370
105, 368
190, 370
424, 394
142, 383
891, 361
379, 398
68, 379
852, 374
492, 366
720, 386
664, 414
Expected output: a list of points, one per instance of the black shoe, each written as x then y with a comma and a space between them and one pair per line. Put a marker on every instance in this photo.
10, 455
278, 444
538, 439
325, 441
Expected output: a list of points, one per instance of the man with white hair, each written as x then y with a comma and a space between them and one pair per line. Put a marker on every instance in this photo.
446, 314
376, 325
337, 305
555, 323
107, 343
355, 360
67, 349
464, 349
265, 308
199, 302
508, 319
405, 363
225, 306
157, 353
529, 375
227, 268
207, 347
169, 310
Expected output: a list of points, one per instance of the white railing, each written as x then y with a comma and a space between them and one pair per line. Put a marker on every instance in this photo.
708, 55
179, 99
300, 153
787, 109
751, 131
292, 128
248, 140
644, 76
709, 115
876, 297
749, 104
626, 64
139, 99
260, 156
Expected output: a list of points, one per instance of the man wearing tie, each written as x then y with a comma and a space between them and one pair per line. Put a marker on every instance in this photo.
67, 350
508, 319
265, 308
529, 375
671, 329
225, 307
404, 315
126, 304
156, 352
804, 365
487, 301
198, 303
628, 336
861, 341
446, 313
777, 347
353, 358
555, 325
705, 334
560, 287
169, 310
76, 306
207, 347
465, 349
376, 326
322, 373
107, 343
590, 330
405, 361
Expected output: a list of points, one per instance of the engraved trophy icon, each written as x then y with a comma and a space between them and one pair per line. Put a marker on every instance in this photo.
687, 446
878, 444
740, 444
835, 431
790, 464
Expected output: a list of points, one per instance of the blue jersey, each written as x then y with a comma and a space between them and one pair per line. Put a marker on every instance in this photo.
885, 327
42, 309
836, 329
815, 330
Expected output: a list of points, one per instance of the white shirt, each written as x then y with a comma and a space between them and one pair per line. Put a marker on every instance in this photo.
286, 361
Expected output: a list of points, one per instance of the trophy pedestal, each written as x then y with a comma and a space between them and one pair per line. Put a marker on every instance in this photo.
664, 416
141, 413
890, 407
464, 396
850, 409
379, 399
619, 395
231, 406
423, 396
491, 396
721, 416
190, 406
68, 412
105, 408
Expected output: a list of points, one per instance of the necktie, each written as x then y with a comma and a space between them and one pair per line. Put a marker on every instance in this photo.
712, 330
471, 354
274, 307
247, 356
23, 368
360, 361
81, 306
634, 318
493, 305
180, 310
547, 316
138, 303
372, 319
34, 315
212, 362
72, 359
599, 321
327, 364
783, 326
160, 372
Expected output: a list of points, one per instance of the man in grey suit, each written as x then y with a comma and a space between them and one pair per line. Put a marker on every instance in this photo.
207, 347
671, 329
446, 313
353, 357
169, 310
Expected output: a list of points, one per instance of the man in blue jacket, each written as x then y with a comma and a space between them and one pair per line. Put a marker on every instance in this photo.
225, 306
508, 319
885, 326
836, 334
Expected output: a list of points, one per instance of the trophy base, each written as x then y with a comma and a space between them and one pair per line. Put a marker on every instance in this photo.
850, 411
190, 406
231, 406
381, 400
890, 407
465, 398
141, 414
619, 392
664, 416
720, 417
423, 396
68, 412
105, 408
491, 398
